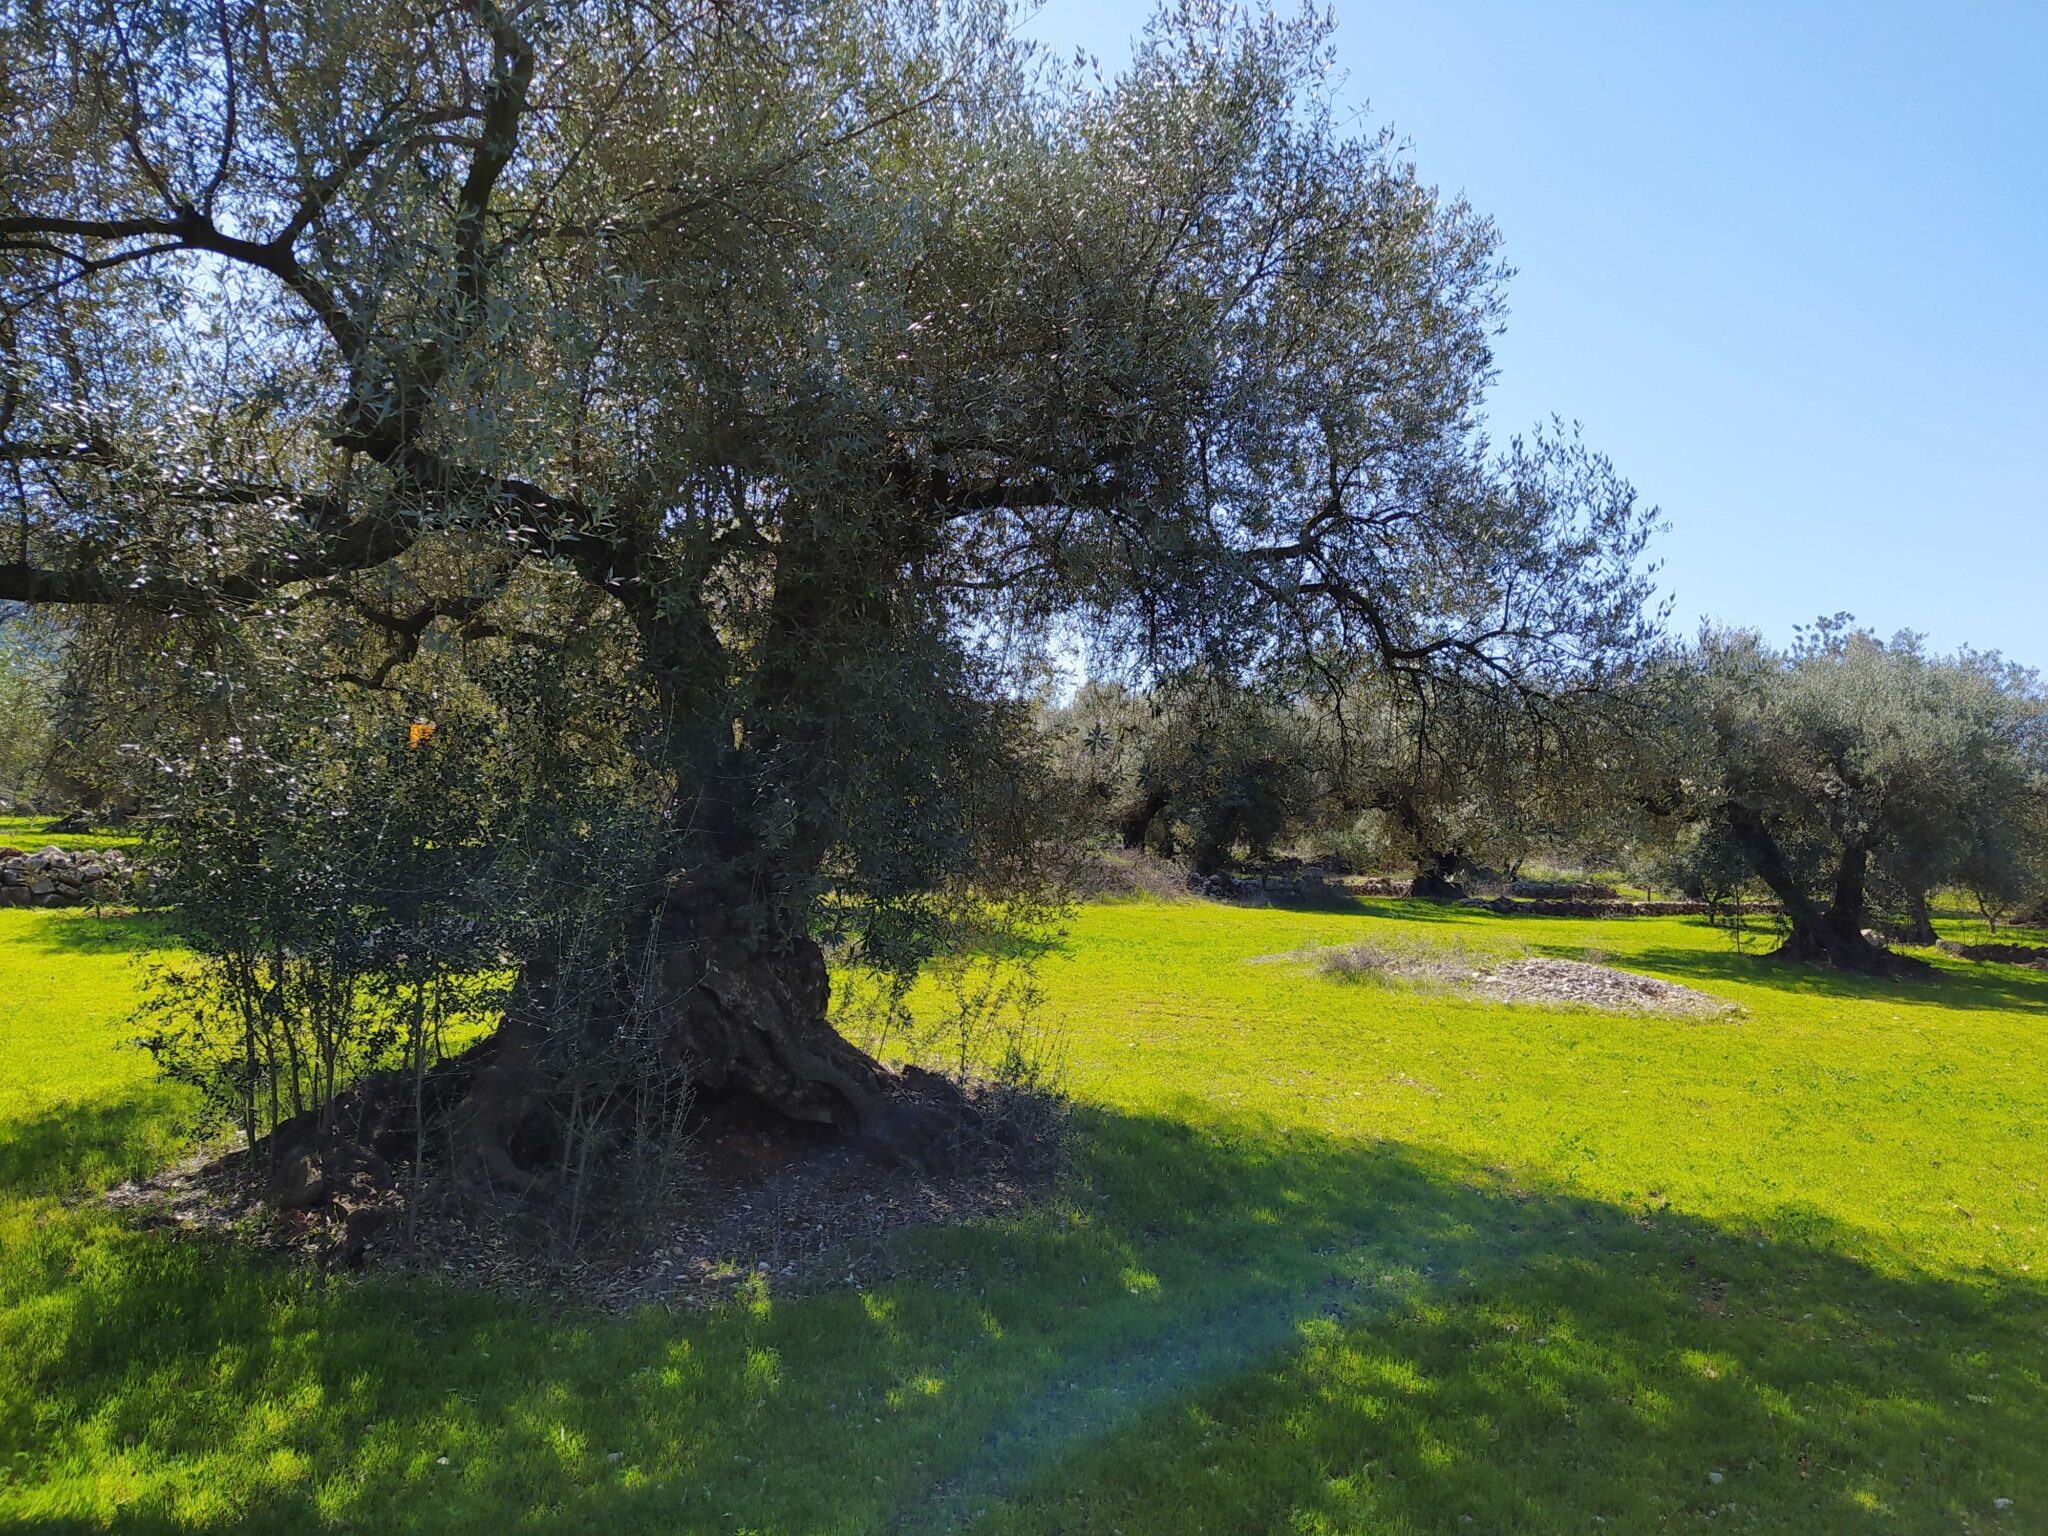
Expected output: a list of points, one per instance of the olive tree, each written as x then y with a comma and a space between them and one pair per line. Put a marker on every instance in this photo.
1195, 767
1453, 778
831, 354
1849, 774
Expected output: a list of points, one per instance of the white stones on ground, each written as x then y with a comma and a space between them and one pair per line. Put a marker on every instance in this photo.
1540, 979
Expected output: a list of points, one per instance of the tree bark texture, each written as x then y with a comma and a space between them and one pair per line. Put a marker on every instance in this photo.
1833, 935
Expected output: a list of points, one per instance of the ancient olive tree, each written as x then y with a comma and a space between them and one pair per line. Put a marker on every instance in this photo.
1850, 775
824, 357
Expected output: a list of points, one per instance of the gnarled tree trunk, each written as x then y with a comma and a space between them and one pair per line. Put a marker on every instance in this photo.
745, 1009
1832, 935
1436, 876
736, 1004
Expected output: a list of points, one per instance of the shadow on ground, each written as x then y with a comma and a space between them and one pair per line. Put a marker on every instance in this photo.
87, 1143
1228, 1327
81, 930
2005, 989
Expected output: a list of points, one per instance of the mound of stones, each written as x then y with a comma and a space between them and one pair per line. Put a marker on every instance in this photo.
53, 877
2033, 956
1579, 983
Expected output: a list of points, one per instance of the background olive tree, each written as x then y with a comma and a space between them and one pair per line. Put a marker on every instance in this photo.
1850, 775
31, 667
1452, 780
1196, 768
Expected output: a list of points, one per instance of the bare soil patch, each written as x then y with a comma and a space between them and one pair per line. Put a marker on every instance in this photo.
757, 1202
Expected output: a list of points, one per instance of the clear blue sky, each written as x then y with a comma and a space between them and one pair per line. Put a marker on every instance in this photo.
1788, 263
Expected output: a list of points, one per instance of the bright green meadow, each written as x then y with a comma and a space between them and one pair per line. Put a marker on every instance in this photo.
27, 833
1336, 1256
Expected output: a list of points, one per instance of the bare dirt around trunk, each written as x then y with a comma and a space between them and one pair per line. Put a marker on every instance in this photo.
753, 1202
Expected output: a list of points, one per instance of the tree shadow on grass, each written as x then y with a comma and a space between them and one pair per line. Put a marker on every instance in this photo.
86, 1144
113, 931
2005, 989
1229, 1327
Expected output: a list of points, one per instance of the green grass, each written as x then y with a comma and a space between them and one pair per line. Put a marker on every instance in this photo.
1339, 1257
26, 832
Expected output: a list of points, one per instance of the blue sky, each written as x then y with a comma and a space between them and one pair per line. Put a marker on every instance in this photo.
1788, 264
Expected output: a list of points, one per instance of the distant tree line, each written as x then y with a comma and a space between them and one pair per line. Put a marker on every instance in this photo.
1847, 779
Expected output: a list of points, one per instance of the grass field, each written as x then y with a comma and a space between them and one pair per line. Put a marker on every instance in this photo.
1337, 1257
26, 832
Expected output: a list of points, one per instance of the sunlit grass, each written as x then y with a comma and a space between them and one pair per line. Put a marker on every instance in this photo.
27, 834
1337, 1258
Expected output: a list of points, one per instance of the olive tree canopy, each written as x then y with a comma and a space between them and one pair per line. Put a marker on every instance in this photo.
832, 355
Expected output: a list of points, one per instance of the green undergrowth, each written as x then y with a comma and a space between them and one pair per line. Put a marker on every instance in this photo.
1334, 1258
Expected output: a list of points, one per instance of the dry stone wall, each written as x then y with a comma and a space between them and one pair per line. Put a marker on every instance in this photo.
55, 877
1311, 883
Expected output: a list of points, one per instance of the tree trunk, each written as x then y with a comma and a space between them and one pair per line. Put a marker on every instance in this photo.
1824, 939
1919, 927
1832, 936
747, 1011
736, 1004
1436, 877
727, 982
1137, 821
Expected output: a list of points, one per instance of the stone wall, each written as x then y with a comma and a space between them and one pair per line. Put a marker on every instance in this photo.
1311, 884
53, 877
1509, 907
1303, 884
1561, 890
2033, 956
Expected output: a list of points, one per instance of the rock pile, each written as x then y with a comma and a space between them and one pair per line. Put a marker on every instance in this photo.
52, 877
2033, 956
1578, 983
